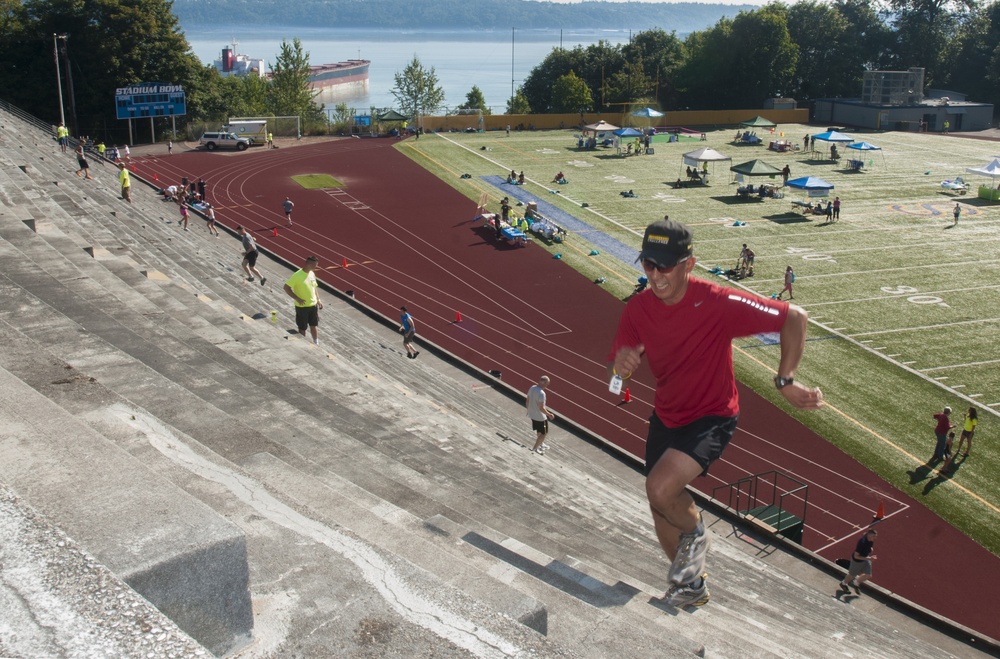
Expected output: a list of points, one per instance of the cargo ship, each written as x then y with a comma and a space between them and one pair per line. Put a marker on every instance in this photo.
342, 78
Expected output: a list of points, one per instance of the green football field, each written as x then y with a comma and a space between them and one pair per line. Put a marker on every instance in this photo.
903, 306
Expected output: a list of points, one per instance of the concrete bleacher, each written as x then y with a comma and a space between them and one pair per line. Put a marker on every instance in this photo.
275, 498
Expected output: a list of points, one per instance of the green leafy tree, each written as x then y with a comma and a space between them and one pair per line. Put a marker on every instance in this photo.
662, 56
110, 44
474, 100
594, 64
571, 94
828, 63
289, 92
927, 33
630, 85
518, 104
417, 90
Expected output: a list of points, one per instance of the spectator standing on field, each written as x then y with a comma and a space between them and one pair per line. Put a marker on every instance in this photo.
250, 255
944, 424
684, 328
968, 430
408, 329
836, 208
302, 287
957, 212
288, 205
789, 280
539, 414
861, 563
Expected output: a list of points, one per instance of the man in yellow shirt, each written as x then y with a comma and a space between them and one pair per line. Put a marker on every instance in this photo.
301, 287
126, 182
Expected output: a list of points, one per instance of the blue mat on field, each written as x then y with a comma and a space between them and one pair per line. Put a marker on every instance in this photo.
599, 239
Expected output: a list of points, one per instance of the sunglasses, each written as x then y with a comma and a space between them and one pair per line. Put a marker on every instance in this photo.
649, 266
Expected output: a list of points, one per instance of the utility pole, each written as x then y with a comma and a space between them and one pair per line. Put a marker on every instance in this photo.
55, 56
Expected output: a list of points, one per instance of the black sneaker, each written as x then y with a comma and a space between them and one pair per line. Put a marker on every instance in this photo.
409, 355
844, 587
856, 587
415, 354
263, 280
250, 278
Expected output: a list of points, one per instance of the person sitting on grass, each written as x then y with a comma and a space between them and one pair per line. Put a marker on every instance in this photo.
520, 178
559, 178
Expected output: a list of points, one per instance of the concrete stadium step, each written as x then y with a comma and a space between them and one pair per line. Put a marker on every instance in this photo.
414, 461
61, 601
110, 516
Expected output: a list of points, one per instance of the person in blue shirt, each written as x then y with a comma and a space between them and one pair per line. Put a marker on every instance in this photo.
408, 329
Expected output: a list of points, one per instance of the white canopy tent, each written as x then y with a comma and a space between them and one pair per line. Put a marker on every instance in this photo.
701, 159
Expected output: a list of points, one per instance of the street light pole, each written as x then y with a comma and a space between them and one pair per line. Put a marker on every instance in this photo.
55, 55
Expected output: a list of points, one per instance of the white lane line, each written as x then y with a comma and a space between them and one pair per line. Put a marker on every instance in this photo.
966, 364
920, 328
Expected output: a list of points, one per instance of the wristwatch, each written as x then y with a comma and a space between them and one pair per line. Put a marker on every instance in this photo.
781, 382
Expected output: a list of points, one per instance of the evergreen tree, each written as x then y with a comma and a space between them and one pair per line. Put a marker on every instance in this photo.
289, 93
474, 100
518, 104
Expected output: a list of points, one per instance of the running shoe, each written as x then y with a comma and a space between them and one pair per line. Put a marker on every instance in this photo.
690, 559
687, 595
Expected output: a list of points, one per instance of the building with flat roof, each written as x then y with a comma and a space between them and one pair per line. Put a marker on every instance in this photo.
895, 100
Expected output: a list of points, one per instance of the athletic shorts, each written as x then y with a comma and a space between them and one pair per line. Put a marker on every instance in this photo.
408, 337
306, 316
703, 440
83, 163
859, 567
251, 258
540, 426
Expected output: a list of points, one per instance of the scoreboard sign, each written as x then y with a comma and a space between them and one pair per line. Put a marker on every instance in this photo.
150, 99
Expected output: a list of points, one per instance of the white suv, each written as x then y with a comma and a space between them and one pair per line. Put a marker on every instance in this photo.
213, 141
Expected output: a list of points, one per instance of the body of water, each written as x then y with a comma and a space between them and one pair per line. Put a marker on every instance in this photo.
460, 60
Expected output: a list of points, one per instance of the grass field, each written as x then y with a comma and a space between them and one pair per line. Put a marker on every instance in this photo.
904, 307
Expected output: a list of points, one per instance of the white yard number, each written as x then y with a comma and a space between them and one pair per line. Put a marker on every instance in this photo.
809, 254
915, 299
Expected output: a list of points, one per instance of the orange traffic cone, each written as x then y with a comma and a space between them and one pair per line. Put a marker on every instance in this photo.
881, 510
275, 232
344, 264
155, 177
458, 317
133, 169
628, 396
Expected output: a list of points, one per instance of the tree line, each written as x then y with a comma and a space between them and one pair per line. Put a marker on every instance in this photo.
805, 51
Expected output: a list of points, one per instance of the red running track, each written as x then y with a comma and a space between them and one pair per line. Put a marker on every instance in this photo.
409, 238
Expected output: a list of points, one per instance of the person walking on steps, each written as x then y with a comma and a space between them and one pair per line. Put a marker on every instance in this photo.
684, 328
126, 182
861, 563
539, 414
250, 255
81, 160
408, 329
302, 287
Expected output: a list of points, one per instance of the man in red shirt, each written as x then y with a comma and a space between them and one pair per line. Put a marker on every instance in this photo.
684, 327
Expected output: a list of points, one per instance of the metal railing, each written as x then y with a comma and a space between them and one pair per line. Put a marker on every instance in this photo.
770, 488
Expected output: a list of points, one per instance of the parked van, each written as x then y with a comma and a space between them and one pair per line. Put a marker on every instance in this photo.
213, 141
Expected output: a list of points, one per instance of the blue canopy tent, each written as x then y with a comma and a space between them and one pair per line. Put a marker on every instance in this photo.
815, 187
832, 137
866, 147
628, 132
647, 113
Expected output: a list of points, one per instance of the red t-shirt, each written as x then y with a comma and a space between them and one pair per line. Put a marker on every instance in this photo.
689, 345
